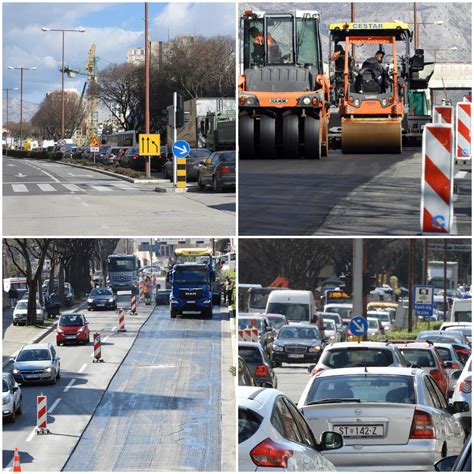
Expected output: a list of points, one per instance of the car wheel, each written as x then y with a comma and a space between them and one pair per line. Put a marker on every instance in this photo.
58, 375
18, 408
173, 313
201, 186
12, 417
216, 186
58, 343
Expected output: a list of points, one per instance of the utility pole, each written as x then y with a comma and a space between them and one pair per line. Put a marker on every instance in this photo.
147, 86
415, 27
425, 268
445, 277
411, 281
353, 9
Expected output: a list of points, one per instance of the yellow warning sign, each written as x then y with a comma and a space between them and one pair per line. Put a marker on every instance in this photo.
95, 141
149, 144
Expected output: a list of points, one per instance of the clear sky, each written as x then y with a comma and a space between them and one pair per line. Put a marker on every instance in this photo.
113, 26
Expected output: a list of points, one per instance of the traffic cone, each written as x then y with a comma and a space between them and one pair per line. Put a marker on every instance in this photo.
16, 461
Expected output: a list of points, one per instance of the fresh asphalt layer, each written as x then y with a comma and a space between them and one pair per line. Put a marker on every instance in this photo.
43, 198
339, 195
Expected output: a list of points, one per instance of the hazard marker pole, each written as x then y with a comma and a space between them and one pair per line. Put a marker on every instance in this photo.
121, 320
142, 292
133, 305
436, 216
463, 130
16, 461
97, 348
443, 114
41, 415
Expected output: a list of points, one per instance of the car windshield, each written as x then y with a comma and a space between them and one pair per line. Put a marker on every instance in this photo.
245, 323
227, 157
251, 355
101, 292
276, 322
23, 304
382, 316
292, 311
258, 300
122, 264
419, 357
33, 354
329, 326
199, 153
373, 323
444, 353
463, 316
343, 312
187, 275
448, 338
467, 331
366, 388
71, 320
293, 332
332, 317
346, 357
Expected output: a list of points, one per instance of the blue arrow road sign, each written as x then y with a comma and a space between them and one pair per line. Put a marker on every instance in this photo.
358, 326
181, 149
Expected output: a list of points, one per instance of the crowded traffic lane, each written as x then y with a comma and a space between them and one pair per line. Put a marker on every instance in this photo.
292, 379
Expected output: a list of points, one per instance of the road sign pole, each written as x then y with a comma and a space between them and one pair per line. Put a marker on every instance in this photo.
357, 276
175, 136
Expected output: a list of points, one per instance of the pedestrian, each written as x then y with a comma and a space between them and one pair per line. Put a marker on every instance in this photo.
146, 291
13, 296
228, 291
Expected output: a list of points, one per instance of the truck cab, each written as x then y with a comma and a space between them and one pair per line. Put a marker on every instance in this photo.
191, 289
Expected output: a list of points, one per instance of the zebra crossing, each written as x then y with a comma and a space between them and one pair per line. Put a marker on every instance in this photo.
67, 188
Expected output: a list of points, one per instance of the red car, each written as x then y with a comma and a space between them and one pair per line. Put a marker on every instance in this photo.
425, 356
72, 327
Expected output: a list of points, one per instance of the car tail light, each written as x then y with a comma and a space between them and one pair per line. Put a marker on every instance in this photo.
242, 100
270, 454
422, 426
463, 352
351, 100
261, 371
314, 101
390, 99
466, 386
316, 371
225, 169
135, 157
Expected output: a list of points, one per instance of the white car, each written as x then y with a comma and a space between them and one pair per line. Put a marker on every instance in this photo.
21, 310
383, 317
463, 393
330, 331
12, 397
392, 419
273, 435
375, 327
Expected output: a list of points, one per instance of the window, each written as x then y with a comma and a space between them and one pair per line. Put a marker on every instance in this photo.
355, 357
304, 429
251, 355
284, 423
431, 392
249, 422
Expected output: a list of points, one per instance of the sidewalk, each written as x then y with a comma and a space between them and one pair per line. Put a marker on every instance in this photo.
16, 336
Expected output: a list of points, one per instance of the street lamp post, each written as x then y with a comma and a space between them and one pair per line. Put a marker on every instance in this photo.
63, 31
7, 90
21, 69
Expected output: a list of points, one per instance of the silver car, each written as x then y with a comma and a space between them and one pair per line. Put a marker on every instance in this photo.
11, 397
36, 363
21, 310
392, 419
462, 393
451, 362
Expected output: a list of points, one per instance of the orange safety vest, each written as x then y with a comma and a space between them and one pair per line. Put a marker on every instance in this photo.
145, 288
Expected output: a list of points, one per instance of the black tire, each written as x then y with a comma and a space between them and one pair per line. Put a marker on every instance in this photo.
201, 186
12, 417
290, 137
325, 133
267, 137
246, 137
207, 313
58, 375
312, 138
216, 186
173, 313
18, 408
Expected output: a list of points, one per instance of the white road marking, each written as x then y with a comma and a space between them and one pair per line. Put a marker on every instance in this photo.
105, 338
19, 188
102, 189
46, 188
31, 435
82, 369
460, 174
44, 172
69, 385
71, 187
21, 175
54, 405
123, 186
12, 165
81, 175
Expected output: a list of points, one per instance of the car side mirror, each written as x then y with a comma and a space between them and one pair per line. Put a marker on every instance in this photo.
458, 407
311, 367
445, 464
456, 374
11, 359
266, 385
331, 440
58, 358
15, 389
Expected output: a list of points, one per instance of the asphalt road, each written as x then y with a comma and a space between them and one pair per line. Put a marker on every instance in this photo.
154, 404
43, 198
339, 195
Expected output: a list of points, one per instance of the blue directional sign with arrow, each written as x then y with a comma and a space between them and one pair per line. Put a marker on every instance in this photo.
358, 326
181, 149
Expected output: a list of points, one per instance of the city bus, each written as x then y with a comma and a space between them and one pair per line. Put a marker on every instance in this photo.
126, 139
122, 272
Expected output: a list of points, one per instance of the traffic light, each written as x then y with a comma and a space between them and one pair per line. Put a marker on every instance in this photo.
179, 111
347, 287
369, 283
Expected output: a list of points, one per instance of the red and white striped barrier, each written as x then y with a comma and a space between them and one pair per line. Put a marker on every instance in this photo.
443, 114
121, 321
97, 348
142, 291
437, 179
41, 414
463, 130
248, 335
133, 305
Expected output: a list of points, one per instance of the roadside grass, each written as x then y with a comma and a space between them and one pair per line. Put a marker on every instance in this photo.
404, 334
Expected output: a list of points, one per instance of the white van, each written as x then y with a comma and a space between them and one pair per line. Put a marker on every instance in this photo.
296, 305
343, 309
461, 311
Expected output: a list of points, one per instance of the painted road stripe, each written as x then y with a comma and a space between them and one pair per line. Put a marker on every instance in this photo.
31, 435
123, 186
19, 188
46, 188
82, 368
54, 405
69, 385
71, 187
44, 172
460, 175
102, 189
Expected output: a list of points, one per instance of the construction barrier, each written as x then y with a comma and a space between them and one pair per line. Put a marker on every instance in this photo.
121, 321
97, 348
41, 414
463, 130
142, 290
443, 114
133, 305
249, 335
180, 172
436, 216
16, 461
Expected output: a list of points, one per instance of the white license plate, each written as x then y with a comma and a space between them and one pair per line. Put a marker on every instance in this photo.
296, 356
70, 337
100, 304
32, 376
359, 431
191, 302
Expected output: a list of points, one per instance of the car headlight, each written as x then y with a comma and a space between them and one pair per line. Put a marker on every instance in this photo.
174, 301
357, 102
6, 398
315, 348
111, 300
16, 371
387, 328
48, 369
277, 348
206, 301
332, 337
60, 331
90, 300
306, 100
